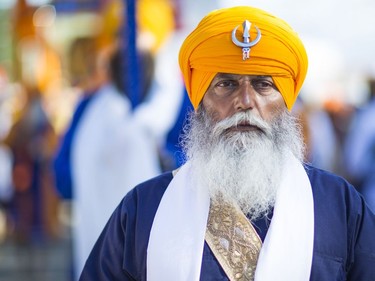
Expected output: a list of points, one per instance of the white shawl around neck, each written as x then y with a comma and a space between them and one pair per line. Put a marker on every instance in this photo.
177, 235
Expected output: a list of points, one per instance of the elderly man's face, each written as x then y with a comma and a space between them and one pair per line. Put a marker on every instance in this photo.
239, 140
232, 93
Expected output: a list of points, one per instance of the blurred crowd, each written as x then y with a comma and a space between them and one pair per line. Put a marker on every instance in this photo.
83, 119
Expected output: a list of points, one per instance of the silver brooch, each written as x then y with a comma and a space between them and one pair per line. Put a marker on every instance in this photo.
247, 43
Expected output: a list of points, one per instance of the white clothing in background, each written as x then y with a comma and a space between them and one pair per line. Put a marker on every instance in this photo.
158, 113
6, 186
110, 155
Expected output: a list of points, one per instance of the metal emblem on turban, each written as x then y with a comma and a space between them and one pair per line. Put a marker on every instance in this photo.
246, 44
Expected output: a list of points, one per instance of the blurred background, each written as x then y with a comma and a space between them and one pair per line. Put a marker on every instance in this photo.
57, 54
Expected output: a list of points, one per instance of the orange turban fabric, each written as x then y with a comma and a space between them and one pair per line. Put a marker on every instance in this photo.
209, 50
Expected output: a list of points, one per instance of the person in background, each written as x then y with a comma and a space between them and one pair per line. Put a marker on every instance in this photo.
318, 135
107, 152
32, 141
360, 148
6, 187
244, 206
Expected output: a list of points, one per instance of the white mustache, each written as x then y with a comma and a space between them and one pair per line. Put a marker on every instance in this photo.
242, 118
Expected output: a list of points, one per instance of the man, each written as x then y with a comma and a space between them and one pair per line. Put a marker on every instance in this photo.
243, 207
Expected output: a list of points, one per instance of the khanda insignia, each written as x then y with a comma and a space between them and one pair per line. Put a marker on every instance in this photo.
247, 43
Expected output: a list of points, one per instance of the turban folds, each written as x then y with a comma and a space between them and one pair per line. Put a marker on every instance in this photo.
209, 50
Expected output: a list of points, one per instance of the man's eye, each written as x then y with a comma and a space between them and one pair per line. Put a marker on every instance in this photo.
263, 86
225, 84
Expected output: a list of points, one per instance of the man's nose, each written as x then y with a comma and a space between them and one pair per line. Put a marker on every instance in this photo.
246, 98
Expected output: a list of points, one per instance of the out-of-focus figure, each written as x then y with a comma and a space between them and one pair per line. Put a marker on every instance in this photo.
108, 152
32, 139
6, 187
318, 133
32, 142
360, 148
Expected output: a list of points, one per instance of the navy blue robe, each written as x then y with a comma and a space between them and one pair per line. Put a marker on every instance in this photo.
344, 241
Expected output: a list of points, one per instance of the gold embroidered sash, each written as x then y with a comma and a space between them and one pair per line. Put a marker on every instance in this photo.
233, 240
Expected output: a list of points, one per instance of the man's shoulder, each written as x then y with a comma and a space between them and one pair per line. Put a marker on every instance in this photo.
330, 187
149, 192
155, 184
320, 176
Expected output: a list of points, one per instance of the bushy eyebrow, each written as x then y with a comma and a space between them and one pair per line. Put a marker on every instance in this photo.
235, 76
226, 76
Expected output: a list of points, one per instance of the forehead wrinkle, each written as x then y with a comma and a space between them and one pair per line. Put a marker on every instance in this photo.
238, 76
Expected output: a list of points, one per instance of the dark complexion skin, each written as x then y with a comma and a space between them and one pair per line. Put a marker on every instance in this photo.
232, 93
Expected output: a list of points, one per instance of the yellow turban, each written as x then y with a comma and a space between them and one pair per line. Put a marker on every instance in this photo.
209, 49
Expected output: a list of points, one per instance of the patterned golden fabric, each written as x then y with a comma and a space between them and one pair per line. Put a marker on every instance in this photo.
233, 240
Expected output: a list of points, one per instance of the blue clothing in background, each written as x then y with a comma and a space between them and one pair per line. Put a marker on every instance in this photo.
174, 135
360, 152
62, 161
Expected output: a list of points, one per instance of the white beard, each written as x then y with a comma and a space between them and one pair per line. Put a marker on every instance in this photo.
244, 168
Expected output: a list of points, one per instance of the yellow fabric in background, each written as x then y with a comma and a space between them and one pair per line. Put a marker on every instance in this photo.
209, 49
156, 19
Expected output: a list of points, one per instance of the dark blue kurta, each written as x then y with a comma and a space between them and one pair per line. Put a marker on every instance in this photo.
344, 241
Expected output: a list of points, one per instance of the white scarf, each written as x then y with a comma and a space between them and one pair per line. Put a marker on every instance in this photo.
177, 235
